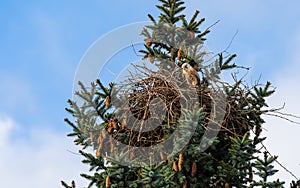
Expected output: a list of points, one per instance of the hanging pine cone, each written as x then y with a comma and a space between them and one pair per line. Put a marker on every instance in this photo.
179, 54
107, 182
175, 167
148, 42
185, 184
99, 140
150, 57
194, 169
180, 162
124, 122
226, 185
103, 134
162, 155
98, 151
107, 101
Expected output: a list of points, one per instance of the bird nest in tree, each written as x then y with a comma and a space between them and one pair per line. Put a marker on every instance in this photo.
151, 92
149, 112
148, 109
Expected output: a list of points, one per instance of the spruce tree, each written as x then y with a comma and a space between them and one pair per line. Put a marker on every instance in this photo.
233, 158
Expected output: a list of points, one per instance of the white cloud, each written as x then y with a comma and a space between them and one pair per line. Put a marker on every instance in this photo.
283, 136
6, 126
43, 160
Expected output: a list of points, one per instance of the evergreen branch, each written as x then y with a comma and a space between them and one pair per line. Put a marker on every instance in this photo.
281, 165
67, 186
194, 16
152, 19
228, 162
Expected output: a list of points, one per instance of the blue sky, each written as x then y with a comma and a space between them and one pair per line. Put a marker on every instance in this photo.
42, 44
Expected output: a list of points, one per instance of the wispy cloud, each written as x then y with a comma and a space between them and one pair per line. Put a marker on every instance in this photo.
283, 136
40, 161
